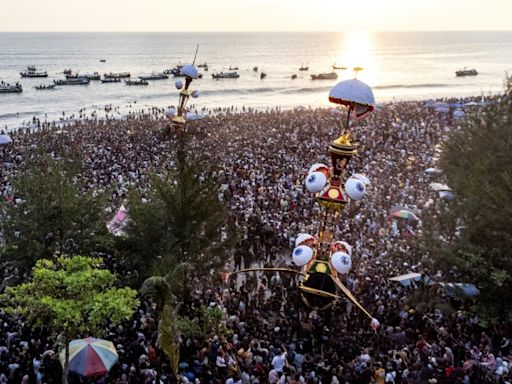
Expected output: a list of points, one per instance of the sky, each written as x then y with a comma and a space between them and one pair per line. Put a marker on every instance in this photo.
254, 15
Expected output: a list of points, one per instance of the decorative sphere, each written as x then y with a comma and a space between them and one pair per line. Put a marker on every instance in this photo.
195, 94
190, 71
355, 188
341, 262
304, 239
315, 182
178, 84
302, 255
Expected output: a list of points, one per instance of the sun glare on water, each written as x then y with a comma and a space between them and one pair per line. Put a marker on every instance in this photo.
357, 50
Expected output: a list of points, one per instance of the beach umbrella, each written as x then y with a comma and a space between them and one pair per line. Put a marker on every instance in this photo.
189, 116
433, 171
441, 104
355, 95
408, 279
458, 113
446, 195
5, 139
442, 109
439, 187
90, 357
471, 104
405, 214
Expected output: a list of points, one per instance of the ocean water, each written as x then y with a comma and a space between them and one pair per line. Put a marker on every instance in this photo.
402, 65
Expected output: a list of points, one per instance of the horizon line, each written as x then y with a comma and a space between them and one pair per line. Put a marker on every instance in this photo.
269, 31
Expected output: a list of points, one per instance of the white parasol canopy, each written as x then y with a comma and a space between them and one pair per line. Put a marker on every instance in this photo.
439, 187
5, 139
190, 71
433, 171
354, 94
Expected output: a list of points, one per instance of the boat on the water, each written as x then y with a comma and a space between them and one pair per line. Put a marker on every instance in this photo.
75, 81
90, 76
304, 68
34, 74
255, 69
68, 71
136, 82
334, 66
111, 80
325, 76
263, 75
119, 75
31, 68
466, 72
226, 75
204, 65
294, 76
154, 76
233, 68
103, 61
45, 86
8, 88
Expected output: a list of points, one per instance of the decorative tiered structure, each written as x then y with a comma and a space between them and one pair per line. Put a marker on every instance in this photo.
322, 257
191, 73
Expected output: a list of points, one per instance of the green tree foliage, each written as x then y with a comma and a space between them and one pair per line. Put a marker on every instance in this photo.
477, 162
55, 215
72, 296
181, 219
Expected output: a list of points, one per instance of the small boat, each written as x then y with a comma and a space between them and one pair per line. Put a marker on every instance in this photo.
136, 82
34, 74
43, 86
226, 75
205, 68
357, 69
255, 69
154, 76
93, 76
119, 75
204, 65
67, 71
103, 61
8, 88
76, 81
31, 68
294, 76
111, 80
233, 68
466, 72
335, 67
304, 68
325, 76
263, 75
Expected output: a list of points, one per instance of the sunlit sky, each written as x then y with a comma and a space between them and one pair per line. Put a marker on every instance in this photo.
254, 15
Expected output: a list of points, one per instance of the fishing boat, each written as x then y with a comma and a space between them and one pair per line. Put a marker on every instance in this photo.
204, 65
154, 76
34, 74
68, 71
136, 82
304, 68
233, 68
255, 69
44, 87
8, 88
263, 75
119, 75
466, 72
90, 76
294, 76
335, 67
325, 76
103, 61
111, 80
76, 81
226, 75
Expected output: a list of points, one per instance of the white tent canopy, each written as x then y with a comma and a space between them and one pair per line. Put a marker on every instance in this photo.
5, 139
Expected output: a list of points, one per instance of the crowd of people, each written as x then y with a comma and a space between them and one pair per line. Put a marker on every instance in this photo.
260, 160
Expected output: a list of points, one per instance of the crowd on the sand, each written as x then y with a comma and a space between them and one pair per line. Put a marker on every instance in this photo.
261, 160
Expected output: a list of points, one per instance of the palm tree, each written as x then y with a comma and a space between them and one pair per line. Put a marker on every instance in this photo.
164, 290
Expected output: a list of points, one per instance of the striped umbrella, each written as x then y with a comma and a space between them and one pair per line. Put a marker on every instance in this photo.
90, 357
405, 214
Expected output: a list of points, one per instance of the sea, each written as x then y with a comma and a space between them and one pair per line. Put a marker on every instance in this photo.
397, 65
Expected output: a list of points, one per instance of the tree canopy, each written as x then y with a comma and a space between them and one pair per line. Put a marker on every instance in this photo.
477, 162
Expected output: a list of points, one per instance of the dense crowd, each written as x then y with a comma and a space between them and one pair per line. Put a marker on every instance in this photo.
261, 160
